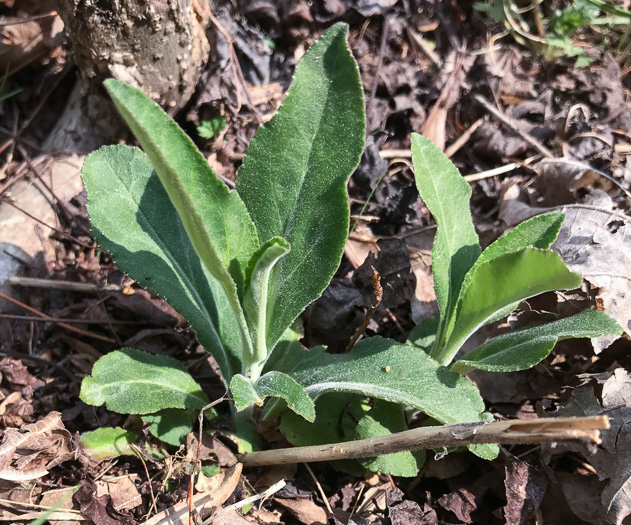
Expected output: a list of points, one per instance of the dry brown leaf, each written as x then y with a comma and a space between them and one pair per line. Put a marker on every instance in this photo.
27, 453
122, 490
613, 459
204, 503
63, 498
304, 510
229, 517
265, 517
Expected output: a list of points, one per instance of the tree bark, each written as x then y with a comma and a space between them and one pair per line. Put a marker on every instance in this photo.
158, 46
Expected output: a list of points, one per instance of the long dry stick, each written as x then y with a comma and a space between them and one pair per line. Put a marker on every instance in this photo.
512, 431
50, 319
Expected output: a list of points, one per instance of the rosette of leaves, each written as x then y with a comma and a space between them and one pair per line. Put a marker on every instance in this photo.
241, 265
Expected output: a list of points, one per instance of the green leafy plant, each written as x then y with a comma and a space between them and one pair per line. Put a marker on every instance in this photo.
242, 265
209, 129
556, 34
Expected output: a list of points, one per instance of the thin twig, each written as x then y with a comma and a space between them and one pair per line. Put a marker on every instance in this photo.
39, 360
198, 452
272, 489
513, 431
48, 318
382, 51
154, 504
509, 123
236, 69
491, 173
451, 150
67, 286
18, 317
320, 489
377, 296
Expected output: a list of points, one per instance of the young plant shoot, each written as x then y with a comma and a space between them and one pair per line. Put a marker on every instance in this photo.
242, 265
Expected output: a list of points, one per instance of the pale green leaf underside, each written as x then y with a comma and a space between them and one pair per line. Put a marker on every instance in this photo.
502, 281
522, 349
133, 219
294, 175
214, 217
538, 232
108, 442
272, 384
446, 194
385, 419
129, 381
255, 296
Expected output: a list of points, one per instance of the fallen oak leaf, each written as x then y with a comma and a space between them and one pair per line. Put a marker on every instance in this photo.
29, 452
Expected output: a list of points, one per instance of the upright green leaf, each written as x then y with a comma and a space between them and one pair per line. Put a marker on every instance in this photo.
133, 219
190, 182
538, 232
209, 210
456, 248
504, 281
130, 381
255, 301
523, 349
214, 218
294, 175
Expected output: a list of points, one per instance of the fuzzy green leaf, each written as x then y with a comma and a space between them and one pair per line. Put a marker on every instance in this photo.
523, 349
129, 381
132, 217
446, 194
108, 442
384, 419
214, 217
294, 175
171, 425
538, 232
423, 334
272, 384
255, 299
501, 282
336, 421
400, 373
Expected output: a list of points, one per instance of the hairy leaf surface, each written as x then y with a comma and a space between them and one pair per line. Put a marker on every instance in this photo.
274, 384
446, 194
400, 373
214, 217
129, 381
294, 175
504, 281
382, 420
523, 349
133, 219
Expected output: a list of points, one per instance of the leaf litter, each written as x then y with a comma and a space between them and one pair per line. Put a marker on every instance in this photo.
408, 81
